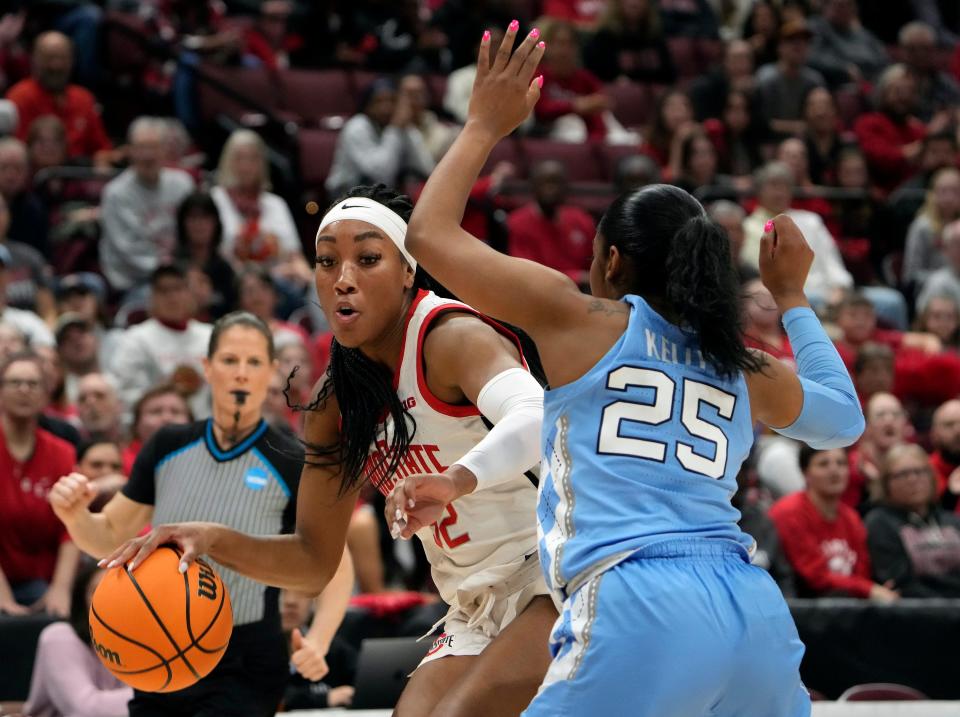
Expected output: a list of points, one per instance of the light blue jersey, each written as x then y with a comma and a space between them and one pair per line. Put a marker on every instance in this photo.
645, 447
661, 612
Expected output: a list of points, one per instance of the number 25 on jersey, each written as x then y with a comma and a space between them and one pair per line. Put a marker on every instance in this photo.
694, 393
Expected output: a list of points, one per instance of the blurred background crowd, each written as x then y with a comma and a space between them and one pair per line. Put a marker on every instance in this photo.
164, 162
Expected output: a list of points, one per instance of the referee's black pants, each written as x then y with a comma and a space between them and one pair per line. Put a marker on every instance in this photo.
248, 682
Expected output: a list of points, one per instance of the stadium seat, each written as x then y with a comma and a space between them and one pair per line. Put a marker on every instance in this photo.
124, 44
506, 150
581, 160
880, 692
382, 670
235, 91
316, 156
686, 57
610, 156
310, 95
633, 103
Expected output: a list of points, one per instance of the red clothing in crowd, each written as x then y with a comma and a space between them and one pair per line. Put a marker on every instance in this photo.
257, 45
782, 351
942, 469
585, 13
882, 141
76, 108
848, 351
827, 555
556, 99
564, 243
859, 463
30, 533
129, 455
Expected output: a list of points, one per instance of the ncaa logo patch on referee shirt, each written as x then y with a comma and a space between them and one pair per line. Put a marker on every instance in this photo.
256, 478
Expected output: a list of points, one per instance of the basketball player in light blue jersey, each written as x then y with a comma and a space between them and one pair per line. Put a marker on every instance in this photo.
649, 415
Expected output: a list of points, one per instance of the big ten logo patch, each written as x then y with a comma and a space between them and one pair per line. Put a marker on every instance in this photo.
207, 582
439, 643
255, 478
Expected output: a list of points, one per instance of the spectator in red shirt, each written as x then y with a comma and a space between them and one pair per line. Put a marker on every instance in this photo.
37, 559
887, 425
550, 232
572, 102
945, 439
891, 137
857, 321
48, 92
825, 540
160, 406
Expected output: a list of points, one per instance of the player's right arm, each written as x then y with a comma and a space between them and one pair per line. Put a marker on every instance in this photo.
96, 534
305, 560
819, 404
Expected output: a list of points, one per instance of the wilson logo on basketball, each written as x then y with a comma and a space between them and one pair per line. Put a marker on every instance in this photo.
106, 654
206, 583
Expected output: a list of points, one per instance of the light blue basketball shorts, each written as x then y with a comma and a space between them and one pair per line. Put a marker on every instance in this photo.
681, 629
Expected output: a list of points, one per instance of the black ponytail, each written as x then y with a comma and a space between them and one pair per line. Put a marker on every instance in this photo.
678, 256
364, 388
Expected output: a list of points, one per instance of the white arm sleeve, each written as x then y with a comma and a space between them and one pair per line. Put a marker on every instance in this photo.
513, 402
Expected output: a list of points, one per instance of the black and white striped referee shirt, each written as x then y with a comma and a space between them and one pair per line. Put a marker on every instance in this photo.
252, 487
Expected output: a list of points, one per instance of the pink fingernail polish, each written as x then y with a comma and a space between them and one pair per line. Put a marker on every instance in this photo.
768, 227
541, 44
539, 81
534, 33
486, 36
514, 26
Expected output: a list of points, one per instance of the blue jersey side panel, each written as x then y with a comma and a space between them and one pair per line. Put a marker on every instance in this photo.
645, 447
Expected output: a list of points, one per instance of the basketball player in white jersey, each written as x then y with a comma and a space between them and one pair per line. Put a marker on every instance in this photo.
426, 393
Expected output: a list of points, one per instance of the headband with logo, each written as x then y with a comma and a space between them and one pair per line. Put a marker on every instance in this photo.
375, 214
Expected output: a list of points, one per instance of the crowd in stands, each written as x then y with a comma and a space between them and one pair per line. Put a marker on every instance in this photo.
127, 227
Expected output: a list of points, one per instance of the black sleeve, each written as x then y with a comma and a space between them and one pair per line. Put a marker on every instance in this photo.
286, 455
141, 487
888, 558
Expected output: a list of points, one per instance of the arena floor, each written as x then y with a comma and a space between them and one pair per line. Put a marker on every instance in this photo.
820, 709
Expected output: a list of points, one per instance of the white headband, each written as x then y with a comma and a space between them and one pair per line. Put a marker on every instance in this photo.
375, 214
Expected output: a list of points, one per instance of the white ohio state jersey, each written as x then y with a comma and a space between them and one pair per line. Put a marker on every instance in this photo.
481, 531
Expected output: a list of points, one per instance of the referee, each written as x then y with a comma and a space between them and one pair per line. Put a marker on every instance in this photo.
234, 469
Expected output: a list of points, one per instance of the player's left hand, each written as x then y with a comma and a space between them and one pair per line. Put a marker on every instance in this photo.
504, 91
308, 658
55, 601
420, 500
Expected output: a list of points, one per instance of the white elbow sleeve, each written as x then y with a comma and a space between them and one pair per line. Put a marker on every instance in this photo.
513, 402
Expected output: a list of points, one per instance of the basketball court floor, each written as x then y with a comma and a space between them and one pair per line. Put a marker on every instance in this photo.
820, 709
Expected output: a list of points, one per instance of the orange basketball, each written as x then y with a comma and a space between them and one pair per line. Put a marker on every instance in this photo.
159, 630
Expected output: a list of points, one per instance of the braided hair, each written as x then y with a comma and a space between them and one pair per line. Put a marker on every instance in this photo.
364, 390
